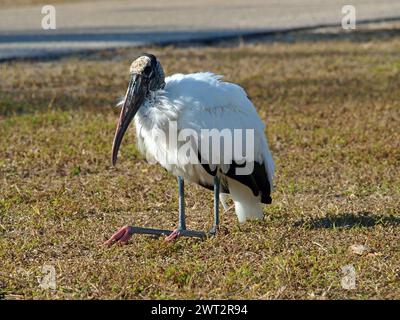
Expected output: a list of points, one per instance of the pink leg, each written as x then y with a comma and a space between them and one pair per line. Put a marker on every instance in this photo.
122, 236
173, 236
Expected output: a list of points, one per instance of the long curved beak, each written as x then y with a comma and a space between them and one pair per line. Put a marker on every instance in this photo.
135, 95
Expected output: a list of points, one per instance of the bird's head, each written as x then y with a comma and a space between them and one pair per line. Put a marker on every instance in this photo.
146, 74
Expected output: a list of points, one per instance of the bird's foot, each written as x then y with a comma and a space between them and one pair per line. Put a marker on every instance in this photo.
213, 231
122, 236
173, 235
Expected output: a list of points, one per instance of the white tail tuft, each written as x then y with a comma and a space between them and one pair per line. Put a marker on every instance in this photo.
247, 206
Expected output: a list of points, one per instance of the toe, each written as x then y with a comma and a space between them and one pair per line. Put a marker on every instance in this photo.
174, 235
126, 236
120, 236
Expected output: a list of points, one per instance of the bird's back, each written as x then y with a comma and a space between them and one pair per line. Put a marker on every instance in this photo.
206, 102
205, 91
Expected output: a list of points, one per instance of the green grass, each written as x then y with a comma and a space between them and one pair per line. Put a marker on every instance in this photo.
333, 111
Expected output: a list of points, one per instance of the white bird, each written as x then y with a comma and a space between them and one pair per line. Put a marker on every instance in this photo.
193, 103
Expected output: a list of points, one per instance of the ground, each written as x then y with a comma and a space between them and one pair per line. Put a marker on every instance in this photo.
332, 110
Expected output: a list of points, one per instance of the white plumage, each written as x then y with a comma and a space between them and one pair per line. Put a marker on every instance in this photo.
202, 130
202, 101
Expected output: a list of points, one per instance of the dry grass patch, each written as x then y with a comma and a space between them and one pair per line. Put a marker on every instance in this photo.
333, 112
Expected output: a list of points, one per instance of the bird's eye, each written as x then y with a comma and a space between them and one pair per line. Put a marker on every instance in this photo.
147, 71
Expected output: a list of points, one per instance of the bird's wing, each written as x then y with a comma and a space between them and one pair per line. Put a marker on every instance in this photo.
206, 102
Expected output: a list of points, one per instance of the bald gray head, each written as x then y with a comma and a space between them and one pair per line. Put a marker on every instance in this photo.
149, 67
146, 75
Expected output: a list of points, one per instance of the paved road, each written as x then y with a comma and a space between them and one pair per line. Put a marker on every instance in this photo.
109, 24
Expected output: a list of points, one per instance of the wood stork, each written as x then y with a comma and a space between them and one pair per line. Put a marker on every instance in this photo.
195, 101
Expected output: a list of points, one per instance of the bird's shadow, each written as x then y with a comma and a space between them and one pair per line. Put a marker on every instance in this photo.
349, 220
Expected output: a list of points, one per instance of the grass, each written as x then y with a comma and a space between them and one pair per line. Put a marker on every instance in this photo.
332, 109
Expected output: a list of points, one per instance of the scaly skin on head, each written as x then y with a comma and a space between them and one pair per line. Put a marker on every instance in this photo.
140, 64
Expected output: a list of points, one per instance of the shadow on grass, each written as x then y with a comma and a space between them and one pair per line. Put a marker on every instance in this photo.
349, 220
315, 35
